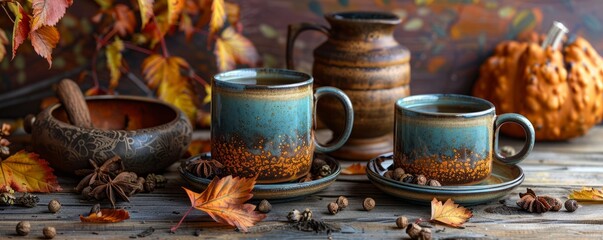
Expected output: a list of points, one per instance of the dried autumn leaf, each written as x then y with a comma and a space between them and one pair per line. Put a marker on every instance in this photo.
26, 172
157, 69
107, 215
180, 94
233, 48
146, 11
587, 194
114, 61
43, 40
217, 17
48, 12
199, 146
20, 27
233, 14
3, 41
354, 169
174, 10
450, 213
124, 19
186, 26
224, 201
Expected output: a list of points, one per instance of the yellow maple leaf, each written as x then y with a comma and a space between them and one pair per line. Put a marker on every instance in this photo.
587, 194
114, 61
233, 48
354, 169
146, 11
450, 213
157, 69
217, 17
180, 94
175, 8
26, 172
224, 201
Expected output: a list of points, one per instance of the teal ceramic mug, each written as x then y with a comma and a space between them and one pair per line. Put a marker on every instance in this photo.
452, 138
262, 123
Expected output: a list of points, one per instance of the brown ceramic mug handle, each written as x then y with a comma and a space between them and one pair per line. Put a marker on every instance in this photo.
71, 97
293, 31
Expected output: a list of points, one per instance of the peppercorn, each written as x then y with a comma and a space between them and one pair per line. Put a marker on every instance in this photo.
342, 202
424, 234
402, 222
49, 232
306, 215
317, 164
23, 228
407, 178
571, 205
398, 172
264, 206
554, 202
368, 204
333, 208
294, 216
54, 206
388, 174
325, 170
413, 230
420, 179
434, 183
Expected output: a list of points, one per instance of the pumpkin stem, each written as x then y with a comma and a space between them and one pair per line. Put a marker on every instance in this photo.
555, 35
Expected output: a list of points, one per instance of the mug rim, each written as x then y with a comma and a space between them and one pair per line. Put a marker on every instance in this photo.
225, 78
407, 103
386, 17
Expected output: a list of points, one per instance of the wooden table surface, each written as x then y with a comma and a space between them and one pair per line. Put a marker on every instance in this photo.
553, 169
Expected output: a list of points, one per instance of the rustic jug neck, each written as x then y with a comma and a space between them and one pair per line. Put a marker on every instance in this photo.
363, 26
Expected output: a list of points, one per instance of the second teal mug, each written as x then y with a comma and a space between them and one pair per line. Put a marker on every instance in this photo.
262, 123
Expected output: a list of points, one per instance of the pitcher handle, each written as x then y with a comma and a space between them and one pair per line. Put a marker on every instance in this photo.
349, 117
528, 144
293, 31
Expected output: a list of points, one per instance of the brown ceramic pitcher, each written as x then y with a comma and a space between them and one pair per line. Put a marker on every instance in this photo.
362, 58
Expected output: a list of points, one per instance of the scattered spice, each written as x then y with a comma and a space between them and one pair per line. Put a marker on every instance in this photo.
368, 204
535, 204
420, 179
203, 167
402, 222
333, 208
317, 164
124, 185
306, 215
54, 206
148, 232
317, 226
413, 230
153, 181
571, 205
264, 206
407, 178
294, 216
49, 232
7, 199
398, 172
325, 170
425, 234
342, 202
23, 228
109, 168
28, 200
555, 203
434, 183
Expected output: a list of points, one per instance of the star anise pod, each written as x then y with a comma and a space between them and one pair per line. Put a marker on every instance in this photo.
110, 168
203, 167
123, 186
535, 204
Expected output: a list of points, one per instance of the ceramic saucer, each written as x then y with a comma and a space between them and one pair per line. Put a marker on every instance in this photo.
503, 179
288, 190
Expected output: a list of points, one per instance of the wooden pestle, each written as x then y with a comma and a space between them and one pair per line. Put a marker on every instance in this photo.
71, 97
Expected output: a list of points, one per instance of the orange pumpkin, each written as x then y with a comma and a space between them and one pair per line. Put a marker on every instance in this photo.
559, 91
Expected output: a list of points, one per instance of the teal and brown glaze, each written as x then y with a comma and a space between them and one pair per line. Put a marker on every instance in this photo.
451, 137
262, 123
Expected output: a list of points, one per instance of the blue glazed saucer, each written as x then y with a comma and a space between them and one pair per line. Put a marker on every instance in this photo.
285, 191
503, 179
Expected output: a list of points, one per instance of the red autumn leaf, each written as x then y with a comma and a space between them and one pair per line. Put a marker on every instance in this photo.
3, 42
114, 61
146, 11
175, 8
224, 201
26, 172
233, 48
450, 213
106, 215
48, 12
157, 69
354, 169
218, 14
21, 26
43, 40
124, 19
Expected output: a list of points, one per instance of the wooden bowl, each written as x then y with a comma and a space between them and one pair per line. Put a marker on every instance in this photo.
147, 134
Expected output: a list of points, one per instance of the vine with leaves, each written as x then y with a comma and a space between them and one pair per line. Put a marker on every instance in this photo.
170, 76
